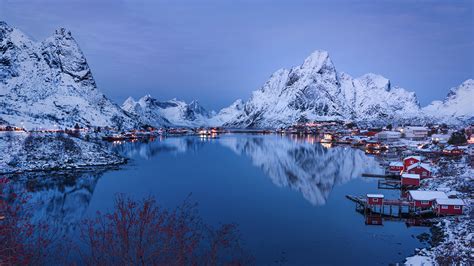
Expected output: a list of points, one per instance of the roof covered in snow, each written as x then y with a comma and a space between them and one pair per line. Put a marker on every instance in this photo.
396, 164
427, 195
413, 157
422, 165
375, 196
450, 202
416, 128
411, 176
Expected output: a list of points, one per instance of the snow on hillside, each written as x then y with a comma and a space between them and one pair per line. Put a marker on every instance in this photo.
229, 113
30, 152
316, 91
168, 113
457, 107
49, 84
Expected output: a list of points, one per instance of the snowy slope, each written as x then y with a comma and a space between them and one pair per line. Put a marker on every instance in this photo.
456, 108
30, 152
230, 113
49, 83
168, 113
316, 91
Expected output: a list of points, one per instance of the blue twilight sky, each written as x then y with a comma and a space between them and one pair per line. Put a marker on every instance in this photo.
217, 51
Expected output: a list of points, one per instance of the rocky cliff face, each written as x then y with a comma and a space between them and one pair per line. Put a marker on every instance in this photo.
316, 91
49, 84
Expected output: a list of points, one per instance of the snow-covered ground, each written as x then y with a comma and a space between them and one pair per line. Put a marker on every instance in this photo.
47, 151
456, 178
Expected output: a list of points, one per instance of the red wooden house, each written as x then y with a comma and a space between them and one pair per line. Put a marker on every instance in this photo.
425, 199
395, 167
375, 199
410, 160
448, 206
422, 169
410, 180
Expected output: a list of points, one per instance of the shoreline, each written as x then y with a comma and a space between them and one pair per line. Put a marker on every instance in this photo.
449, 231
451, 243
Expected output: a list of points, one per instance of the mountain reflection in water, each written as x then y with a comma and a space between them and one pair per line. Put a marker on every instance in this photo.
59, 197
299, 163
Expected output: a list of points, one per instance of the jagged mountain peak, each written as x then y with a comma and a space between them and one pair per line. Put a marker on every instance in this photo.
130, 99
456, 108
63, 32
50, 83
317, 60
466, 86
316, 91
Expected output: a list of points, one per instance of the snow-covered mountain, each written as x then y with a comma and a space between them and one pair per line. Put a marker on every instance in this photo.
458, 106
49, 83
230, 113
169, 113
316, 91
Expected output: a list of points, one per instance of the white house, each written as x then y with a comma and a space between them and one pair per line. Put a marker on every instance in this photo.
388, 136
415, 133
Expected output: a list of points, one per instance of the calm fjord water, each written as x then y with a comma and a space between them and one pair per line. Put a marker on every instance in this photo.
287, 195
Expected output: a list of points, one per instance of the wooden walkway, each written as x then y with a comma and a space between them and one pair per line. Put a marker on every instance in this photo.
390, 207
386, 202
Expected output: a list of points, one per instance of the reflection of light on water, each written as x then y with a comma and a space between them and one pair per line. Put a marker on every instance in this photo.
326, 145
207, 137
310, 139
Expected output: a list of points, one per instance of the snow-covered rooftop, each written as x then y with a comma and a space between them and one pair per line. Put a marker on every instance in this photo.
396, 164
427, 195
389, 133
411, 176
450, 202
413, 157
416, 128
422, 165
375, 196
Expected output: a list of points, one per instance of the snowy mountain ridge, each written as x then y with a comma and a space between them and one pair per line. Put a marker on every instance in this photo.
316, 91
168, 113
49, 84
457, 107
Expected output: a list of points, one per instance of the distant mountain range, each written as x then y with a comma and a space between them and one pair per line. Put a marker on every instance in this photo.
168, 113
49, 84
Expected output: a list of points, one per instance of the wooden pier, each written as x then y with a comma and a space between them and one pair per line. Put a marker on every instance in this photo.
389, 207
